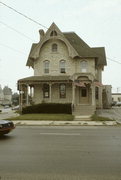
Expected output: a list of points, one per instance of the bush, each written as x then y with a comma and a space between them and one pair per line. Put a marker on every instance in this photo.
48, 108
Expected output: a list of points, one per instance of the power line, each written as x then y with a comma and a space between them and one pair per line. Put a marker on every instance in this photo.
4, 45
113, 60
23, 15
16, 30
34, 22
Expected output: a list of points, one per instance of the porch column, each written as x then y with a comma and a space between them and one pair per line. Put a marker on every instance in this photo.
100, 97
31, 91
73, 94
50, 87
93, 94
20, 98
27, 95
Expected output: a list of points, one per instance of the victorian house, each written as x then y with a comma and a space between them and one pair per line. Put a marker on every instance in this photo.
66, 70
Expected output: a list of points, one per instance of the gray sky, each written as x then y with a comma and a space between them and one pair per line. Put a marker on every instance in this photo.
97, 22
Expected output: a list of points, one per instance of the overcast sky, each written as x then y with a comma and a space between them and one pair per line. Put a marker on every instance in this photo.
97, 22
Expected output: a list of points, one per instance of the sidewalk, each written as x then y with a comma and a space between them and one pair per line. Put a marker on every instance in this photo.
64, 123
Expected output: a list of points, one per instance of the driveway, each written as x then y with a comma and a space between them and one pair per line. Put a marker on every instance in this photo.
7, 113
113, 113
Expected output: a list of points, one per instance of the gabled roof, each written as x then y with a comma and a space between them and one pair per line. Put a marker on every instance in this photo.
84, 50
100, 52
78, 45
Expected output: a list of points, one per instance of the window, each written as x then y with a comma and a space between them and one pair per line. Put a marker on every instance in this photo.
62, 91
54, 47
83, 65
96, 92
84, 92
62, 66
53, 33
46, 90
46, 66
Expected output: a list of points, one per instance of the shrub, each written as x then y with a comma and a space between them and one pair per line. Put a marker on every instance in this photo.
48, 108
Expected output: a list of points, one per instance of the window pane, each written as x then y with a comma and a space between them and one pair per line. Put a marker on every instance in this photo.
53, 33
46, 66
46, 90
54, 47
84, 92
96, 92
62, 66
62, 91
83, 65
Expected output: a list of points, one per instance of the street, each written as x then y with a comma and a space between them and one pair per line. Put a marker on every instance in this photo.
31, 152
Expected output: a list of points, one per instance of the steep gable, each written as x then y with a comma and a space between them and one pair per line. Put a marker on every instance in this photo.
76, 46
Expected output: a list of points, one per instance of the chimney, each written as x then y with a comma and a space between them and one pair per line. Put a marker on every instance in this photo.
41, 32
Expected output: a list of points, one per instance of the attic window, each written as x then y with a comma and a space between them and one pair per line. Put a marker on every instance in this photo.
54, 47
53, 33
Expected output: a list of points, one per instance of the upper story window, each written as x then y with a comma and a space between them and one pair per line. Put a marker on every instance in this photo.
83, 65
46, 66
62, 66
54, 47
53, 33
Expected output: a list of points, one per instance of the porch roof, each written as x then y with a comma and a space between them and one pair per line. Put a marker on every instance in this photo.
44, 79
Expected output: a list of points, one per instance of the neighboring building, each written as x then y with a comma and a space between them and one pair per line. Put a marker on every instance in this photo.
107, 97
66, 70
116, 97
5, 96
1, 95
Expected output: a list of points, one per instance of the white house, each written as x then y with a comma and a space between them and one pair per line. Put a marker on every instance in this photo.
66, 70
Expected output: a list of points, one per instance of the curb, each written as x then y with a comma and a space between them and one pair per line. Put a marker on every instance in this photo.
64, 123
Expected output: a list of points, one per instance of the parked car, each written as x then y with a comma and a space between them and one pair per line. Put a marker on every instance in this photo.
6, 126
15, 108
118, 104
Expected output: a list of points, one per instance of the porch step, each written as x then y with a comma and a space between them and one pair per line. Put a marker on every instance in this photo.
82, 118
84, 110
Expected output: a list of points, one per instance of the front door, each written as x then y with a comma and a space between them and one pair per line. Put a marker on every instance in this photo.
83, 95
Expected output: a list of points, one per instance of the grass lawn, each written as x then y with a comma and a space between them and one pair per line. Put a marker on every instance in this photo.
58, 117
99, 118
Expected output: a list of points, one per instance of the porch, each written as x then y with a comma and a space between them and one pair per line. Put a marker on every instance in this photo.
51, 89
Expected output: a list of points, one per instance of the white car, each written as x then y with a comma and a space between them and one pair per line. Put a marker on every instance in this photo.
118, 104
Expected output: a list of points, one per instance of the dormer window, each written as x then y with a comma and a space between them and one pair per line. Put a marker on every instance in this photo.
53, 33
62, 66
46, 66
54, 47
83, 66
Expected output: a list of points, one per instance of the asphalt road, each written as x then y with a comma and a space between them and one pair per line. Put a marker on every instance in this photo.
61, 153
